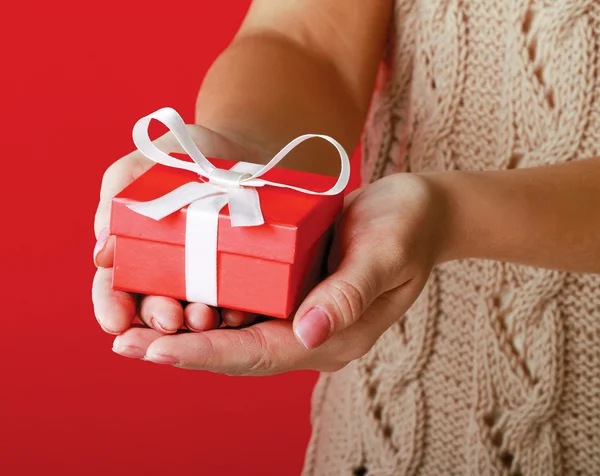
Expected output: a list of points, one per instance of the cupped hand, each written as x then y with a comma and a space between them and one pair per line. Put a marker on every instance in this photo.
389, 238
116, 310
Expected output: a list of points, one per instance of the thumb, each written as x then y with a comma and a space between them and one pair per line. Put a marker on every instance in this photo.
340, 300
104, 249
116, 178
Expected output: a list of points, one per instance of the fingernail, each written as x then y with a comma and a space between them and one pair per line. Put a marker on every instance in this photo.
232, 317
160, 326
101, 242
161, 359
313, 328
108, 331
130, 351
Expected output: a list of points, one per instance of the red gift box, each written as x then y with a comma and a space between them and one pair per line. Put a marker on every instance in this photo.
266, 269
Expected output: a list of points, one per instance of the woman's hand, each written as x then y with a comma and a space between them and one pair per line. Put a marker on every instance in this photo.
390, 237
116, 310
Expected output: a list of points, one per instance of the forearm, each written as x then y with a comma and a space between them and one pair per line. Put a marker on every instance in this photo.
545, 216
295, 68
264, 91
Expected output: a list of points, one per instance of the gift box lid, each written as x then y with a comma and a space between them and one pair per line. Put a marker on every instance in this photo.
293, 220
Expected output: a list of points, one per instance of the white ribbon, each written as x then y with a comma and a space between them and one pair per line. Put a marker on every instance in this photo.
219, 187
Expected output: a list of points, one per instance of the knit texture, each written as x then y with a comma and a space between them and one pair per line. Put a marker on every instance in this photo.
495, 370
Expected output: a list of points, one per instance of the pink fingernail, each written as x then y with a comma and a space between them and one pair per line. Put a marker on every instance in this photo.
101, 242
130, 351
159, 326
314, 328
161, 359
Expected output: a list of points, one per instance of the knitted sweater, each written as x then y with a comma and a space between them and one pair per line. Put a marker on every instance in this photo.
495, 370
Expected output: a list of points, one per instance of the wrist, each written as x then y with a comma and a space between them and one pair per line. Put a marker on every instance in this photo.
454, 226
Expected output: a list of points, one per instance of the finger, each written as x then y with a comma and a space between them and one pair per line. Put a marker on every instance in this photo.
134, 341
263, 349
120, 174
104, 250
114, 310
367, 270
161, 313
200, 317
116, 178
234, 318
355, 341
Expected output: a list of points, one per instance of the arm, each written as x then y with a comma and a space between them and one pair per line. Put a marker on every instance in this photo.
304, 66
277, 80
545, 216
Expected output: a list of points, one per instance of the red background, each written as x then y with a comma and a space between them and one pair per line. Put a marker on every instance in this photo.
74, 77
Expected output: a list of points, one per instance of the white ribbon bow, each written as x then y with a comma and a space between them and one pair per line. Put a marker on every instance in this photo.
235, 187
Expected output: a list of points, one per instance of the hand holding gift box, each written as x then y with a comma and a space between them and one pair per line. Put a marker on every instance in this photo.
391, 234
245, 237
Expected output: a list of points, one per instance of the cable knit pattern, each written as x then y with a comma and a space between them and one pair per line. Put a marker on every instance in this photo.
495, 370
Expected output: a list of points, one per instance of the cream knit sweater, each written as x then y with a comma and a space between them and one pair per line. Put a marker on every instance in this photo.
496, 368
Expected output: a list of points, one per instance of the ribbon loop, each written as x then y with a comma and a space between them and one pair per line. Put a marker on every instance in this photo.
177, 127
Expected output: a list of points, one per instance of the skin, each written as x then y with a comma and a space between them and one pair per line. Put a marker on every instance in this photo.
309, 66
